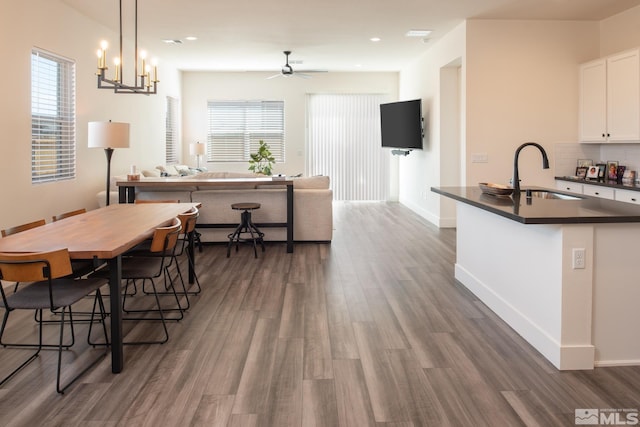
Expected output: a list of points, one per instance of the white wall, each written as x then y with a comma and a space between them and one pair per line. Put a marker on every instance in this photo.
421, 170
519, 84
200, 87
522, 85
51, 25
620, 32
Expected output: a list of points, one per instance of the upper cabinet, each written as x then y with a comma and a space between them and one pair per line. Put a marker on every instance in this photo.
610, 98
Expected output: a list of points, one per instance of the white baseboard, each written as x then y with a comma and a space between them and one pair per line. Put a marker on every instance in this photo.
565, 358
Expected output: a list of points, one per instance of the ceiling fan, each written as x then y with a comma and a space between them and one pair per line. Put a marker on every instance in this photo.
287, 70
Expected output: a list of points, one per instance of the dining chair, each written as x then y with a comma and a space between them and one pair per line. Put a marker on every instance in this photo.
188, 221
18, 229
51, 288
188, 224
81, 267
23, 227
68, 214
148, 266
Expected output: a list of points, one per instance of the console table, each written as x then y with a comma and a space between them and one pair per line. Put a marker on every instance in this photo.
127, 193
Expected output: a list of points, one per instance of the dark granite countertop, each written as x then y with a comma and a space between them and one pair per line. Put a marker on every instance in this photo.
610, 184
546, 211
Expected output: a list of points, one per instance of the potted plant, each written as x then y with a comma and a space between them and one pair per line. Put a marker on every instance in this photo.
262, 161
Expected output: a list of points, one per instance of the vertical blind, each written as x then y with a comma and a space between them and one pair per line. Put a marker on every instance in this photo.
53, 122
344, 143
237, 127
171, 131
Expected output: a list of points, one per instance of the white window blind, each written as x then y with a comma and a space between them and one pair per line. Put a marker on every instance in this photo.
237, 127
171, 131
344, 143
53, 121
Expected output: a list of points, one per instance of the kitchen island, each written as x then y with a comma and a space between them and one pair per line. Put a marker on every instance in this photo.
562, 272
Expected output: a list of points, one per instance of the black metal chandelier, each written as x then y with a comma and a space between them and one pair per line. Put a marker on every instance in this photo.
144, 82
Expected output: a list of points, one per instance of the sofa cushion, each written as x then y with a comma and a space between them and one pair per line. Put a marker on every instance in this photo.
319, 182
151, 173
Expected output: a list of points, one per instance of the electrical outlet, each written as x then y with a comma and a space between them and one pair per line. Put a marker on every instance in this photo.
578, 258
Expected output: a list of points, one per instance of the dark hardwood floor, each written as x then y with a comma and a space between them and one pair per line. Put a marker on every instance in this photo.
371, 329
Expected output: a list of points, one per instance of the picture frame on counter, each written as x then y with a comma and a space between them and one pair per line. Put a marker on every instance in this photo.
593, 172
602, 171
620, 172
612, 170
585, 162
581, 172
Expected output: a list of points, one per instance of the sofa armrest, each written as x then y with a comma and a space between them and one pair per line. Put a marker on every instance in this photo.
313, 214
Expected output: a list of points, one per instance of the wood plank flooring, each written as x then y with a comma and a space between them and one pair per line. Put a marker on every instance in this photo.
370, 330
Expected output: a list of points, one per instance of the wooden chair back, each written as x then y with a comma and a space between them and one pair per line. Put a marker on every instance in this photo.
35, 266
18, 228
68, 214
188, 220
157, 201
165, 238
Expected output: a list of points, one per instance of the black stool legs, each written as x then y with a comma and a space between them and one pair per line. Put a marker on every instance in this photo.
246, 227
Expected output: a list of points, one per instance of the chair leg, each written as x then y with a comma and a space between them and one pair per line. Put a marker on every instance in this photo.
30, 358
232, 237
37, 317
157, 294
59, 388
103, 315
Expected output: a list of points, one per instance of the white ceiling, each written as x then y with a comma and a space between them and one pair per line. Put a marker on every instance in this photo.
333, 35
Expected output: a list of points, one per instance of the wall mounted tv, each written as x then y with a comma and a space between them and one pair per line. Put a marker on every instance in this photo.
401, 125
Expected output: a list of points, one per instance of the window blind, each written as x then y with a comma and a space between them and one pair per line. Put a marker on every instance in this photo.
237, 127
53, 121
343, 135
171, 131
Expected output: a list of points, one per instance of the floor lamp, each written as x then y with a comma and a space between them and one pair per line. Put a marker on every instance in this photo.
108, 135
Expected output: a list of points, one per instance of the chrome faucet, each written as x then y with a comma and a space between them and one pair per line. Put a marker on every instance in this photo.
516, 177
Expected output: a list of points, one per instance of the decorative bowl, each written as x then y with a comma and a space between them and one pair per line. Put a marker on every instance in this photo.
495, 189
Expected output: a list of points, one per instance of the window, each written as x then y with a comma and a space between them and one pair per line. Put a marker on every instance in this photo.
171, 132
237, 127
53, 117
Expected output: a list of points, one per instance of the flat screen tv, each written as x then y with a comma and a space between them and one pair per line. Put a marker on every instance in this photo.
401, 124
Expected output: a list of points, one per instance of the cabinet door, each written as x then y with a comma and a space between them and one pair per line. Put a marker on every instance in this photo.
572, 187
593, 101
628, 196
597, 191
623, 96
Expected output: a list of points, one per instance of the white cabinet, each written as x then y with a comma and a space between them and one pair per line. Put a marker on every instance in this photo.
610, 98
598, 191
628, 196
572, 187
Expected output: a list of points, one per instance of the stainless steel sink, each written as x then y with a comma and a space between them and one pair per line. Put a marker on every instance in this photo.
543, 194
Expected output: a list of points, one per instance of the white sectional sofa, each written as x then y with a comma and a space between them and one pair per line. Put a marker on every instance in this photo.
312, 206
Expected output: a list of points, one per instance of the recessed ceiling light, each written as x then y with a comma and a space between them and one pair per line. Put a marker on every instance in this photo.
191, 38
418, 33
375, 39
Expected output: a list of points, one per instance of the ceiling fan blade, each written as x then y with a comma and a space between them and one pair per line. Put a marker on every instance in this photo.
274, 76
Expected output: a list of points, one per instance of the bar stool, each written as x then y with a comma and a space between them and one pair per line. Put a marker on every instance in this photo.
246, 226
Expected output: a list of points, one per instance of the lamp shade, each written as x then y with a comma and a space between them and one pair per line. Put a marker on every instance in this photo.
197, 149
108, 135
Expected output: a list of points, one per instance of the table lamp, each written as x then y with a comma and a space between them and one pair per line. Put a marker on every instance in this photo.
108, 135
197, 150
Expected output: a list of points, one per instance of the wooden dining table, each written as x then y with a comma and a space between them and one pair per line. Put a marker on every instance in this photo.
101, 234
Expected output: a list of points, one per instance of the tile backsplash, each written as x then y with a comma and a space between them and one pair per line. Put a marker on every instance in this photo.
566, 156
